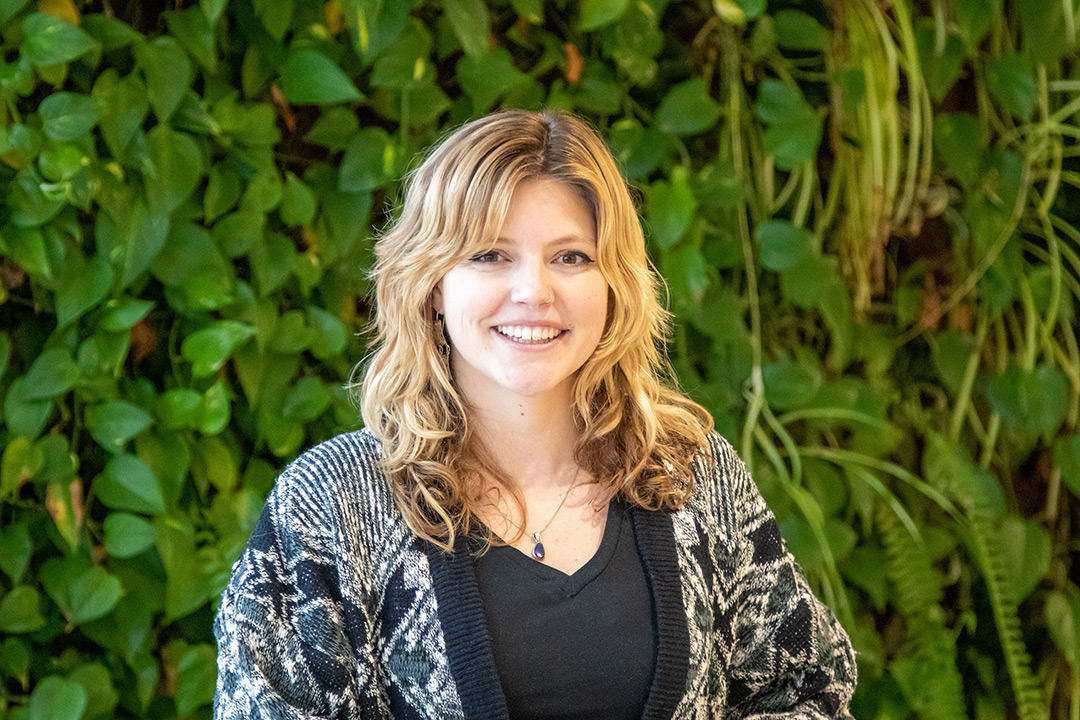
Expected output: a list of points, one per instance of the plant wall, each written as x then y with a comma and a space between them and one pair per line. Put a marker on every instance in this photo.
866, 213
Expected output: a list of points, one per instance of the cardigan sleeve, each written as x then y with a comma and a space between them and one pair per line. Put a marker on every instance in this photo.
283, 653
791, 659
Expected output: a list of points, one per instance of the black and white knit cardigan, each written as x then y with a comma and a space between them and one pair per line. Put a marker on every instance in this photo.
336, 610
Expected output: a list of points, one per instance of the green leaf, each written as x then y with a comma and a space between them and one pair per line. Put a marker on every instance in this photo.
10, 8
307, 399
793, 131
942, 65
81, 286
121, 107
331, 334
176, 168
168, 74
1062, 614
191, 262
196, 678
20, 611
237, 232
599, 90
113, 34
957, 141
195, 34
216, 409
1045, 29
127, 535
128, 483
783, 245
276, 15
738, 12
214, 462
178, 408
48, 40
1011, 80
15, 551
1027, 549
60, 464
368, 163
101, 696
796, 30
82, 593
1067, 458
22, 415
789, 384
531, 10
974, 18
54, 372
222, 192
123, 314
471, 24
15, 660
67, 116
1033, 402
297, 202
596, 14
671, 208
209, 348
336, 125
952, 350
189, 585
26, 246
22, 460
687, 109
486, 78
312, 78
57, 699
687, 275
404, 65
112, 424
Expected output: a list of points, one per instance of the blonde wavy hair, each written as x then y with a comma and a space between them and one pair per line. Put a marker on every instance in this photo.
638, 436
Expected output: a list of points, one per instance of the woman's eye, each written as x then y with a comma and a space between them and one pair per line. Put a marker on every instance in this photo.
574, 257
485, 257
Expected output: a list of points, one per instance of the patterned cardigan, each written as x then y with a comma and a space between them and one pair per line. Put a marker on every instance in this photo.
335, 610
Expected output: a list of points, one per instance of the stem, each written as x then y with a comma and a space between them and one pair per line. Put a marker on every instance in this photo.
963, 399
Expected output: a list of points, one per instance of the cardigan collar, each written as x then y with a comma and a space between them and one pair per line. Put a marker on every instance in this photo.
468, 644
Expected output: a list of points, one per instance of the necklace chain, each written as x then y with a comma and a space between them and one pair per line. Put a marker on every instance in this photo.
538, 545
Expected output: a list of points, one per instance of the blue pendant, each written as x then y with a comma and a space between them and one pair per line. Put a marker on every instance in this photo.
538, 549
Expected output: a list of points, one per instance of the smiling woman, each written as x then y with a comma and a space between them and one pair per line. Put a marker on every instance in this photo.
533, 524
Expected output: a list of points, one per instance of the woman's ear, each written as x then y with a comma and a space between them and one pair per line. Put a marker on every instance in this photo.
436, 299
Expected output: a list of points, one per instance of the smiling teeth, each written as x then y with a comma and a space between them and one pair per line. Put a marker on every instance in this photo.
528, 334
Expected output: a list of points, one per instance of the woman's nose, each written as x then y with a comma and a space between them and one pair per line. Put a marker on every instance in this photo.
532, 284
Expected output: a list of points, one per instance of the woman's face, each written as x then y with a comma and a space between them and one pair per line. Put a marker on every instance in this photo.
524, 316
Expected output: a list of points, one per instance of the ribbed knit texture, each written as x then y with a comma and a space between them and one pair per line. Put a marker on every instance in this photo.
335, 610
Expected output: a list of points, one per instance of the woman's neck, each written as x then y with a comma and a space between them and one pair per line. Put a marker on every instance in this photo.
531, 439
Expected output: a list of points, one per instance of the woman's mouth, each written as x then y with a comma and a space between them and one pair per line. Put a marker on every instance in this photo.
528, 335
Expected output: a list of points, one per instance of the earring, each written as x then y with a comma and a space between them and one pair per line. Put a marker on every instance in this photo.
441, 340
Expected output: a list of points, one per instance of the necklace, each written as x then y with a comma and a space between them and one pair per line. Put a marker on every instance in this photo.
538, 546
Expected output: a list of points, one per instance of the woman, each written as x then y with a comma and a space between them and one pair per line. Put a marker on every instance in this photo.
531, 524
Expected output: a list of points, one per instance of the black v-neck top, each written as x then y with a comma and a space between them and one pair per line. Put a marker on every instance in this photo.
572, 646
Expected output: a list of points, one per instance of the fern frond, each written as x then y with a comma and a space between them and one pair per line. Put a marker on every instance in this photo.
990, 558
918, 600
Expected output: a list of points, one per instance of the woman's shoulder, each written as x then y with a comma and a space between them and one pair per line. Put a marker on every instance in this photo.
344, 471
721, 481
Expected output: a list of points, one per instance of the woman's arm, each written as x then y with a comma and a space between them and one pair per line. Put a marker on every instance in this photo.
790, 657
282, 648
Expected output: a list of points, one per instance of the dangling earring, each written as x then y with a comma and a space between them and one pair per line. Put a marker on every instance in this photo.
441, 341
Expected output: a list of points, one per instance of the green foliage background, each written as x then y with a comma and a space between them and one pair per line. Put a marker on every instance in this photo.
865, 212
